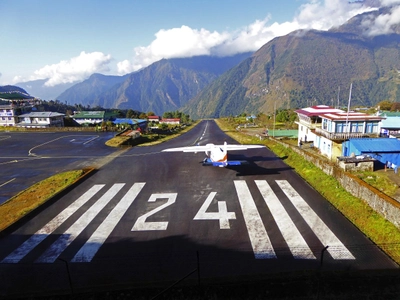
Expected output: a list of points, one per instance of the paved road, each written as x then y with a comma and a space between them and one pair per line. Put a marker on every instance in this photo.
153, 217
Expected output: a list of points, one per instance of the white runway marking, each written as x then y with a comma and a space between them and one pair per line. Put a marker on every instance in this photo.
7, 182
336, 249
290, 233
44, 232
93, 244
52, 253
223, 216
142, 225
258, 235
259, 239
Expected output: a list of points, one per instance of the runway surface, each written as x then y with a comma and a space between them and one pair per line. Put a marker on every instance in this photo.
150, 217
29, 157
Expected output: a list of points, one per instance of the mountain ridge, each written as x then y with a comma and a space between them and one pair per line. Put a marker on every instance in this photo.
165, 85
305, 68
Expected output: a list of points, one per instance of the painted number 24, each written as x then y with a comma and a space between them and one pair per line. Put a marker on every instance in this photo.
222, 215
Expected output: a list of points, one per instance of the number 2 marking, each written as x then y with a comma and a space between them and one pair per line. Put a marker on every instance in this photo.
222, 215
142, 225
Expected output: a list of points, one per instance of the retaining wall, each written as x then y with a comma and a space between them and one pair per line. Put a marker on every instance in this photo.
378, 201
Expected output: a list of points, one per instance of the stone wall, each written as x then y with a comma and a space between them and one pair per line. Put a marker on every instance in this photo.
378, 201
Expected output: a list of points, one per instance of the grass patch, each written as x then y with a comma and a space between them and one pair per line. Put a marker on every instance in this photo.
373, 225
381, 182
118, 141
148, 139
26, 201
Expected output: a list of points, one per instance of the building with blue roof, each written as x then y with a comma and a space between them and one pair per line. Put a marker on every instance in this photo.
141, 123
382, 149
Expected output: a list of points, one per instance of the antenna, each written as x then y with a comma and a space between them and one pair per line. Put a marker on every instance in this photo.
348, 110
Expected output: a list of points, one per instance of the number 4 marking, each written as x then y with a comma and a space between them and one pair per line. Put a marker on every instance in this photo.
222, 215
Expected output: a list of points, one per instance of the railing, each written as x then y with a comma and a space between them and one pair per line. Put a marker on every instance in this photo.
340, 135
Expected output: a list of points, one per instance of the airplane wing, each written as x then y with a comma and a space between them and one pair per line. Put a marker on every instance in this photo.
241, 147
209, 147
189, 149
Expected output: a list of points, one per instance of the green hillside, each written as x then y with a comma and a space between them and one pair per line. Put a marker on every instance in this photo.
307, 68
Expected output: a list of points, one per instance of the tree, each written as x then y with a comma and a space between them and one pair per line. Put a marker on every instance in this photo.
130, 114
395, 106
385, 105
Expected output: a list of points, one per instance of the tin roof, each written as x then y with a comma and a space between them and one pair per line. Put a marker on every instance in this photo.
391, 122
369, 145
89, 115
41, 114
128, 121
318, 110
351, 116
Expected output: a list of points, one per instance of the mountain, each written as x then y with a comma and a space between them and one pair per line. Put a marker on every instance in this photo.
308, 68
165, 85
12, 92
87, 91
40, 90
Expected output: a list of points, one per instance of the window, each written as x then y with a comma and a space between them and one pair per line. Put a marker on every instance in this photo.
357, 127
325, 124
371, 127
340, 127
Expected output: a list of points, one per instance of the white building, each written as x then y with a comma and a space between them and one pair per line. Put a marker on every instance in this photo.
327, 128
41, 120
8, 115
170, 121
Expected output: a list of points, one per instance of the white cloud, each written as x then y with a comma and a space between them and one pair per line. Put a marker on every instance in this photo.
327, 14
390, 2
172, 43
187, 42
383, 24
76, 69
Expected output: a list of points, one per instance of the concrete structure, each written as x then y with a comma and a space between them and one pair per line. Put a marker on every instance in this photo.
356, 163
41, 120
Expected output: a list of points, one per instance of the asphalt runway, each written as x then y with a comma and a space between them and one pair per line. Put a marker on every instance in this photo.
151, 218
29, 157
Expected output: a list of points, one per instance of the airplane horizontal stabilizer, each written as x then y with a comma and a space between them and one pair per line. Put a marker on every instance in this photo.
224, 164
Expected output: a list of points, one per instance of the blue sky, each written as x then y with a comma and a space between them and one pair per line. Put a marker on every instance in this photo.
67, 41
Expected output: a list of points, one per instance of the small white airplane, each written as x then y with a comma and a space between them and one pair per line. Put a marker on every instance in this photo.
217, 155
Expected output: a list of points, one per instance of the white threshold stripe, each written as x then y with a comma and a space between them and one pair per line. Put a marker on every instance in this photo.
295, 241
93, 244
52, 253
49, 228
259, 239
336, 249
